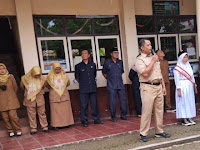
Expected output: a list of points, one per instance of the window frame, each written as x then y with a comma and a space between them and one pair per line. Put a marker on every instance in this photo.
39, 45
177, 44
197, 47
69, 39
97, 47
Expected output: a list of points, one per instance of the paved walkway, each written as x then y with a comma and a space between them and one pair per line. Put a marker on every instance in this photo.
76, 133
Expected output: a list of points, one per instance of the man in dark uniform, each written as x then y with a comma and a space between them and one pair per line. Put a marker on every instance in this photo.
85, 74
112, 71
133, 76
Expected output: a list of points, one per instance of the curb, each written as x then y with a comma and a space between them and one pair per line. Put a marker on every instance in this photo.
122, 133
168, 143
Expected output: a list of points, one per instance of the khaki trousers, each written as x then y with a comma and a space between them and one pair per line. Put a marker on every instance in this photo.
152, 100
32, 117
11, 120
167, 97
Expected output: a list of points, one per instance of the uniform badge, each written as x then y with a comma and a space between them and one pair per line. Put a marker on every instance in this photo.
91, 66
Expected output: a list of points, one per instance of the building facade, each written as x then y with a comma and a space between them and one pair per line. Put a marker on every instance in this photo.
36, 32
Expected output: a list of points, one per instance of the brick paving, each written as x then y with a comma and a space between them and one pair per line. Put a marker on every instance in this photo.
77, 133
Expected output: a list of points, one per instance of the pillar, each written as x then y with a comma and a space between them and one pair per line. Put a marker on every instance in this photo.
26, 34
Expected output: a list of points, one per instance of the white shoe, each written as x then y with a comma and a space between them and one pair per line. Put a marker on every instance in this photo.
12, 134
19, 133
186, 123
191, 121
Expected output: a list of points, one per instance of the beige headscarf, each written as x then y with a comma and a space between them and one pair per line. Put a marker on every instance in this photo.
32, 84
4, 78
58, 82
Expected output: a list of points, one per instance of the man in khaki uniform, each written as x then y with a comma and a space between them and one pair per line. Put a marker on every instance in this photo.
152, 89
164, 66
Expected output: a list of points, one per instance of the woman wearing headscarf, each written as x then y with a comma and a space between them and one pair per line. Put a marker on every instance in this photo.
185, 90
60, 105
9, 102
33, 83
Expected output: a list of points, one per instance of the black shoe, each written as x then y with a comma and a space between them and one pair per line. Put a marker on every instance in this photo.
143, 138
98, 122
85, 124
32, 133
69, 126
164, 135
114, 120
56, 128
123, 118
46, 130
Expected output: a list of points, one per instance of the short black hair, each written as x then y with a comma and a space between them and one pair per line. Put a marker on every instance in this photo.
142, 42
114, 49
85, 49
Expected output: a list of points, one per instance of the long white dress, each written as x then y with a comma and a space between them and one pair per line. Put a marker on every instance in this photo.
185, 105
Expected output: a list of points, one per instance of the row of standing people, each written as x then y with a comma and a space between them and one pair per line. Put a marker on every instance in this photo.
33, 84
57, 81
152, 88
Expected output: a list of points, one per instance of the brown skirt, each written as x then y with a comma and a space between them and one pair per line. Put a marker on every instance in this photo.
61, 114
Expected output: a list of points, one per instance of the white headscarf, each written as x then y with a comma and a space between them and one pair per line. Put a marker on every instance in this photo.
186, 66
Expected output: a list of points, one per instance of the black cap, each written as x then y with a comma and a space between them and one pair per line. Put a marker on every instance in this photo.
114, 49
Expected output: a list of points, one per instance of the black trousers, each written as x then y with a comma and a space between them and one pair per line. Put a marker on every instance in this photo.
84, 100
137, 97
113, 100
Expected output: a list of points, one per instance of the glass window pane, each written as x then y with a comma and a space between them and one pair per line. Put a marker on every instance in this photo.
49, 27
168, 45
105, 45
187, 25
52, 51
77, 46
105, 26
166, 25
188, 43
78, 26
145, 25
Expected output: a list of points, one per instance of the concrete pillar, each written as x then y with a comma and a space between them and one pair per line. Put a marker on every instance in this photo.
128, 35
26, 34
198, 23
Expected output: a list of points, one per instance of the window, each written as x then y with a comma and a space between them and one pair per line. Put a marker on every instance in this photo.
75, 46
78, 26
52, 50
49, 27
187, 24
105, 26
145, 24
166, 24
103, 46
80, 32
188, 44
169, 44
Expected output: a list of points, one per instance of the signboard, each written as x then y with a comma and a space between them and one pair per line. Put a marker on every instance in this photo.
165, 7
